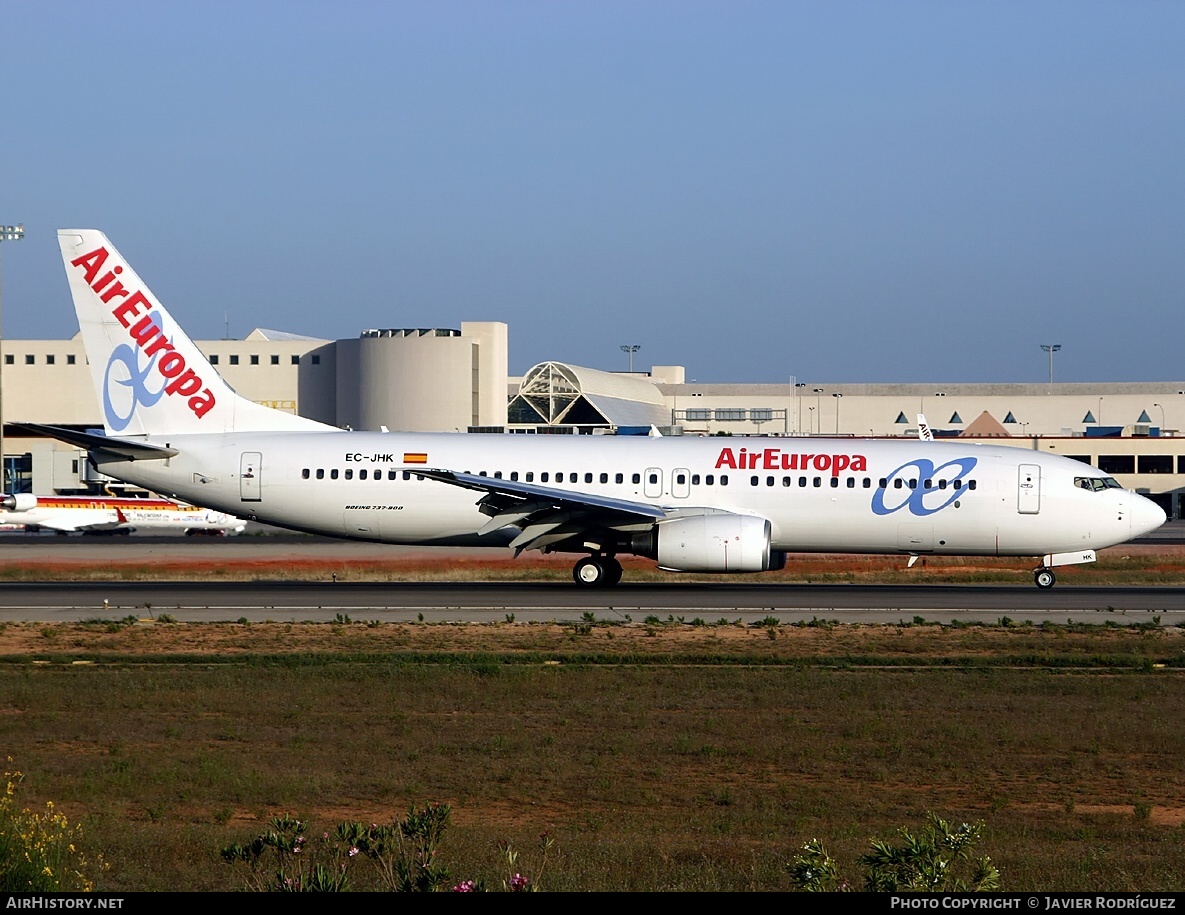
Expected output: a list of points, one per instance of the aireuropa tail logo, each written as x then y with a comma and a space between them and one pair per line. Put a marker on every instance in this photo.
125, 386
148, 337
920, 499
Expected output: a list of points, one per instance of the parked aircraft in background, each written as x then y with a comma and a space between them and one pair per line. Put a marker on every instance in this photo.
113, 515
693, 504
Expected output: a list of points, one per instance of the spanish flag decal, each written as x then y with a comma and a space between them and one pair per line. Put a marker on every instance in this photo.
415, 457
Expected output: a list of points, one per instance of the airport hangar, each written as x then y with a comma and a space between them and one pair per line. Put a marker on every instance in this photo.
456, 380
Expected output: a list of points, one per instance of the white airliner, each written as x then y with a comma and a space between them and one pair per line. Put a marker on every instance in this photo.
111, 514
693, 504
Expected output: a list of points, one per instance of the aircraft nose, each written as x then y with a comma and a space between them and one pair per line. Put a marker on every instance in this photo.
1146, 516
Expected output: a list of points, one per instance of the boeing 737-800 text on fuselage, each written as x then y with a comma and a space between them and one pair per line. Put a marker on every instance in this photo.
693, 504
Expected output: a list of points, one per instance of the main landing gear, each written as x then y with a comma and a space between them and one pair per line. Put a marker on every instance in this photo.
597, 572
1044, 578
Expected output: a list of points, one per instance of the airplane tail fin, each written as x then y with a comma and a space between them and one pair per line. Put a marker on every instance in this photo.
924, 431
150, 377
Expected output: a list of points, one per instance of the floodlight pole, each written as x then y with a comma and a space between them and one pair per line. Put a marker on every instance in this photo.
631, 349
1051, 348
7, 233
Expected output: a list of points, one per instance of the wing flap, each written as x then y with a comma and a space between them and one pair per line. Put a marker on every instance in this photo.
544, 515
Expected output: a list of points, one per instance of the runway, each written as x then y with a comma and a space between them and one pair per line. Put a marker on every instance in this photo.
539, 602
478, 602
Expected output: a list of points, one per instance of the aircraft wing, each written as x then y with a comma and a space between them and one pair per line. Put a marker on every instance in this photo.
545, 515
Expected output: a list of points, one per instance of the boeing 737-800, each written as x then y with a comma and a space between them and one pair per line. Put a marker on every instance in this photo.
693, 504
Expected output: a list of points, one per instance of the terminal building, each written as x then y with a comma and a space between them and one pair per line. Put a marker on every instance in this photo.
456, 380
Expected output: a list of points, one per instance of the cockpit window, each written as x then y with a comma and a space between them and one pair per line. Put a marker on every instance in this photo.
1096, 484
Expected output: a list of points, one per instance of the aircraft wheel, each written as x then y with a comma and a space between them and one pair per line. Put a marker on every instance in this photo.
612, 571
591, 572
1044, 578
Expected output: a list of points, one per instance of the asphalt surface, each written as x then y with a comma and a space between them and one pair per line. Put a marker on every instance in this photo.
489, 602
538, 602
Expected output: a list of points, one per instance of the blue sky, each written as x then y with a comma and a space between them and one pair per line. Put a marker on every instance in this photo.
843, 192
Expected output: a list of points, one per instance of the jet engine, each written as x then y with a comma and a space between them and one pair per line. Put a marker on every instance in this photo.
711, 542
18, 502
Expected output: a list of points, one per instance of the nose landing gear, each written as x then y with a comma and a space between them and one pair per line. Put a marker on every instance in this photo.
597, 572
1044, 578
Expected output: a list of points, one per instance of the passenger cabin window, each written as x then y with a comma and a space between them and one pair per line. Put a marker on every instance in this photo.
333, 474
304, 474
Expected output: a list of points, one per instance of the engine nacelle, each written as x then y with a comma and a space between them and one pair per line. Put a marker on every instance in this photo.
18, 502
715, 542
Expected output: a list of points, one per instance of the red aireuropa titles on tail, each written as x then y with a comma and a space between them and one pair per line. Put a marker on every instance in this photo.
145, 333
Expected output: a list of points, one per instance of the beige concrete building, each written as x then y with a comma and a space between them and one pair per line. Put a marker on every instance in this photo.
424, 379
440, 379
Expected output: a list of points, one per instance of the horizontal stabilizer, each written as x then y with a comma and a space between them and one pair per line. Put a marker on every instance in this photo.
128, 449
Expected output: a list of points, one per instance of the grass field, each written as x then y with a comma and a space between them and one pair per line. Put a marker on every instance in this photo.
655, 756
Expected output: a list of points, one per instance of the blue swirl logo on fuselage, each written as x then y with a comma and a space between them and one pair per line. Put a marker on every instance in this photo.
131, 391
919, 500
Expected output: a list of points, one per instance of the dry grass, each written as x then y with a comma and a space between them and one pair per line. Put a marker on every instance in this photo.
658, 757
1119, 566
